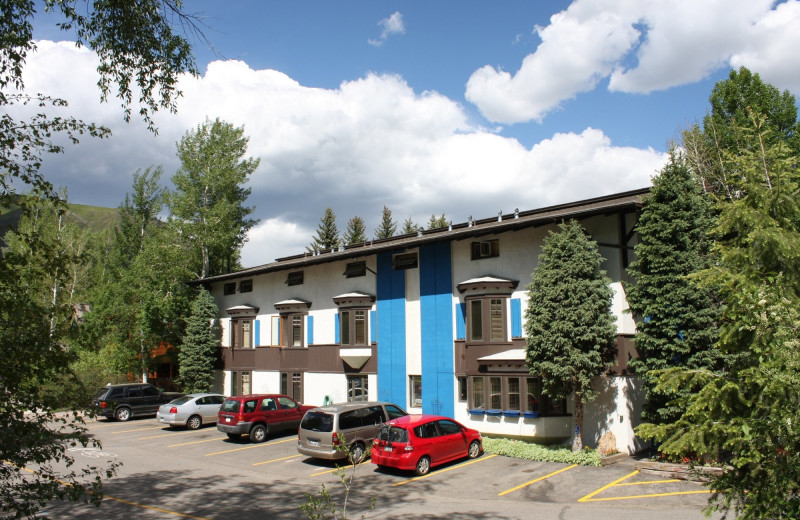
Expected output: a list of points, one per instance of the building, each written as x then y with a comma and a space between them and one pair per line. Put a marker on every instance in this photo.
432, 322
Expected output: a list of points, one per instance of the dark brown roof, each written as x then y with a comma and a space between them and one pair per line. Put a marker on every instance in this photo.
609, 204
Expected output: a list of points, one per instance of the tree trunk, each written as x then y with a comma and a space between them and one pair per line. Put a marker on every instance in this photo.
577, 441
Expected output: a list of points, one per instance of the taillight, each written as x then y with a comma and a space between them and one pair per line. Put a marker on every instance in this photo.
240, 418
335, 439
409, 447
102, 404
174, 409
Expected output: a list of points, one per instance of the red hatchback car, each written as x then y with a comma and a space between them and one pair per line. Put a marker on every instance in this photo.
257, 415
420, 442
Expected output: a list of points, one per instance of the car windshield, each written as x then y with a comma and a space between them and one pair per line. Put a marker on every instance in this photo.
317, 422
100, 393
181, 400
230, 405
393, 434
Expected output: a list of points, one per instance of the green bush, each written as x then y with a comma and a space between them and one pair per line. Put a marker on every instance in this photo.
531, 451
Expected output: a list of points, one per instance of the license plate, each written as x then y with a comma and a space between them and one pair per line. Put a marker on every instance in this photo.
313, 443
227, 419
387, 448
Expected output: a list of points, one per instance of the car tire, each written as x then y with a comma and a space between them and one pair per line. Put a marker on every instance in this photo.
234, 436
474, 449
194, 422
423, 466
122, 414
357, 452
258, 433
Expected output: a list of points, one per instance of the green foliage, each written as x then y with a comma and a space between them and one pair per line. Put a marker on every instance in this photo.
409, 228
198, 352
746, 415
388, 227
675, 319
327, 238
532, 451
137, 49
437, 222
356, 232
569, 326
139, 211
207, 206
36, 314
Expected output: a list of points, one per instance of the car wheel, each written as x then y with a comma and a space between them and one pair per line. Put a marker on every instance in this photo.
357, 452
474, 449
258, 433
234, 436
423, 466
194, 422
122, 414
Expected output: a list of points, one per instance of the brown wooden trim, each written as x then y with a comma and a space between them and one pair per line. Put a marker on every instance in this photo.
315, 358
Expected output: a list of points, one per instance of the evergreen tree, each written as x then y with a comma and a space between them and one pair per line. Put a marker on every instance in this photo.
388, 227
327, 235
569, 326
356, 232
208, 206
746, 415
139, 210
409, 228
437, 222
675, 319
198, 352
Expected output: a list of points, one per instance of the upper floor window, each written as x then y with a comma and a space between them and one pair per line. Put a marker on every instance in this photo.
246, 286
486, 319
242, 332
353, 326
292, 335
405, 261
355, 269
294, 278
485, 249
229, 288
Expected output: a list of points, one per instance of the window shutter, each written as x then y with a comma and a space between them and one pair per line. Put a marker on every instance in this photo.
336, 331
461, 318
257, 333
309, 330
516, 318
373, 328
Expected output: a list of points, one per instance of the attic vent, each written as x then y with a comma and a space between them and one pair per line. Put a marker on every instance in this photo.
355, 269
295, 278
405, 261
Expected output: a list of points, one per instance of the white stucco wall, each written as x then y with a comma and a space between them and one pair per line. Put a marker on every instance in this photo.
413, 336
617, 409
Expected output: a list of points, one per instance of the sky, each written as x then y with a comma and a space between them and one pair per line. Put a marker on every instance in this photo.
454, 107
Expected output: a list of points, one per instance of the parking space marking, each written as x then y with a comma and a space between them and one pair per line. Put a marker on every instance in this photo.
337, 468
165, 435
534, 481
251, 447
621, 482
276, 460
138, 430
439, 472
217, 439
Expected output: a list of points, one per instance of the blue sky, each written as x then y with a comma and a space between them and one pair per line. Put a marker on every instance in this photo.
455, 107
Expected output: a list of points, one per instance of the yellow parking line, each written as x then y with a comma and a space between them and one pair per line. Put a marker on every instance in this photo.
138, 430
337, 468
165, 435
445, 470
619, 483
251, 447
196, 442
276, 460
152, 508
535, 480
648, 482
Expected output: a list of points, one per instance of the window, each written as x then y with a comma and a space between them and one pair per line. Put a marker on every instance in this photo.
353, 326
355, 269
292, 385
449, 428
246, 286
241, 383
292, 330
405, 261
149, 391
485, 249
229, 288
242, 333
505, 392
416, 390
462, 388
357, 389
295, 278
287, 404
487, 315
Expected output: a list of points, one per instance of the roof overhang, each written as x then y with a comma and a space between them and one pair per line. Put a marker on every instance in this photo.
293, 305
488, 285
354, 299
242, 310
355, 357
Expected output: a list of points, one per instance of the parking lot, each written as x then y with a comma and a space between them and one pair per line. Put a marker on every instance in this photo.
202, 474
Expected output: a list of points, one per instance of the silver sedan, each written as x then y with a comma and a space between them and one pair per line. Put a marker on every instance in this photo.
192, 410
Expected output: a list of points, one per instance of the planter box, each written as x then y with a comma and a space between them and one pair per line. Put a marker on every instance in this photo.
679, 471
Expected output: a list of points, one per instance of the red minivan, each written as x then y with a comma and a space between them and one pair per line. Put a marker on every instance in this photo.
257, 415
420, 442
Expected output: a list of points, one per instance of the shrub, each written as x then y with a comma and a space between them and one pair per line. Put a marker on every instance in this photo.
531, 451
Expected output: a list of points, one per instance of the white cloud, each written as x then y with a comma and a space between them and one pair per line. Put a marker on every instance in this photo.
641, 46
391, 25
369, 143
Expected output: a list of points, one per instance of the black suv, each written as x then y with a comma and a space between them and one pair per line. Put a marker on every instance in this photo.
121, 402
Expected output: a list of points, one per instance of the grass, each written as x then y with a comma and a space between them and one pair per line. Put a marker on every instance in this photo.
532, 451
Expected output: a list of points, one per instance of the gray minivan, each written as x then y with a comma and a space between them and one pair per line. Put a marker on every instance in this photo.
322, 429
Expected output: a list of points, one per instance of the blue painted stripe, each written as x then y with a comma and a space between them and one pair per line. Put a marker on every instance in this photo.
336, 333
309, 330
391, 325
373, 328
516, 318
257, 333
436, 304
461, 321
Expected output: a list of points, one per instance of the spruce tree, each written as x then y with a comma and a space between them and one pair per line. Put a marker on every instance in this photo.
356, 232
437, 222
388, 227
327, 235
197, 354
675, 319
409, 227
569, 326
